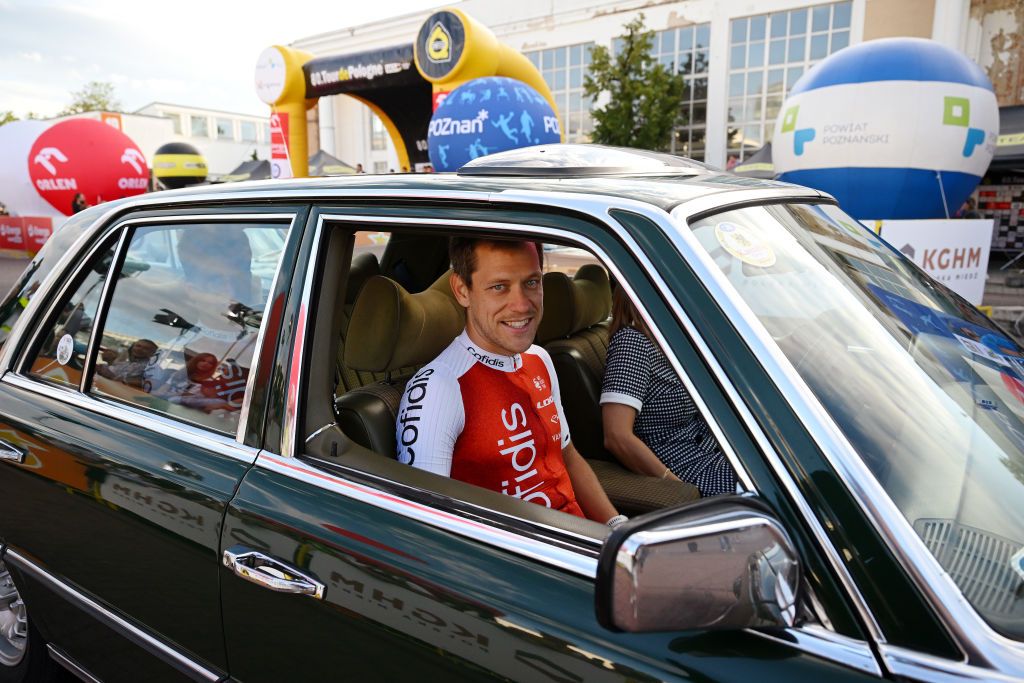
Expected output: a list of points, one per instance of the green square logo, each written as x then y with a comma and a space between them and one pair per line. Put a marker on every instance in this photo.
789, 120
957, 112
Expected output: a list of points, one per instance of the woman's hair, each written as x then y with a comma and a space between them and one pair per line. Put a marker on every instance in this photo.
624, 314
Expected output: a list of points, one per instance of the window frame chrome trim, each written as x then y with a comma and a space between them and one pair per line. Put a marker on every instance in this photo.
822, 642
914, 665
100, 234
964, 624
88, 370
163, 651
215, 442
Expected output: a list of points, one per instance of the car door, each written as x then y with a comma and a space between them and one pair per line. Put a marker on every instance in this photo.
335, 565
129, 405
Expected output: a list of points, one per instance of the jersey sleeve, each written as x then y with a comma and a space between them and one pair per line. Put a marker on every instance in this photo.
430, 419
628, 369
555, 392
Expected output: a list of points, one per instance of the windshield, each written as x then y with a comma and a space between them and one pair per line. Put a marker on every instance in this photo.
925, 388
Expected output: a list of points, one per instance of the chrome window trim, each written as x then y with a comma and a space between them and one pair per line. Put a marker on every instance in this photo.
101, 233
822, 642
289, 429
594, 206
221, 444
101, 313
979, 642
474, 530
160, 649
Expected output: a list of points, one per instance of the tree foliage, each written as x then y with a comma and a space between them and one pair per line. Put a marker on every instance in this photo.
7, 116
643, 95
94, 96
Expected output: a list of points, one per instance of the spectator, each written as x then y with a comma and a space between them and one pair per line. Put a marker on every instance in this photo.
79, 203
359, 168
3, 210
969, 210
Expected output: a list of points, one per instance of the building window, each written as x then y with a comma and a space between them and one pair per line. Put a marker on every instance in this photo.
564, 69
200, 127
225, 129
380, 167
686, 51
175, 121
378, 134
265, 132
768, 53
248, 131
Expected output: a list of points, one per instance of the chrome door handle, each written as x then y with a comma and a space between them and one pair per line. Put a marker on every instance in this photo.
265, 571
11, 453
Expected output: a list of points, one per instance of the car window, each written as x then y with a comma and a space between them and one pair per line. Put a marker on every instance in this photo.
179, 334
60, 351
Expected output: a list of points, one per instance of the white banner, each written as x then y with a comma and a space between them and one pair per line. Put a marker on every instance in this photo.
954, 252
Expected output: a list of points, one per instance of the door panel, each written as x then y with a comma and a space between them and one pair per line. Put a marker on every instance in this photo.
407, 601
130, 520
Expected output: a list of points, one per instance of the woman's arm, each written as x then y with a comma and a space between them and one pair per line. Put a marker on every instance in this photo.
619, 438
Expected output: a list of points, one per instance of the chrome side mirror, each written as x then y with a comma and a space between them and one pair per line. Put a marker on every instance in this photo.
722, 563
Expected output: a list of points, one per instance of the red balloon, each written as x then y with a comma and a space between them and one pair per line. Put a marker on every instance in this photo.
87, 156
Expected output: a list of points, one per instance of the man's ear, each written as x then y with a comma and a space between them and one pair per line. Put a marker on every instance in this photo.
460, 289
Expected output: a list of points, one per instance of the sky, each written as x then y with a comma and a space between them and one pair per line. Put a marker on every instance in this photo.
188, 52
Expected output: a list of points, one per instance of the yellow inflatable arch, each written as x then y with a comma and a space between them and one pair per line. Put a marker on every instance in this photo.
451, 48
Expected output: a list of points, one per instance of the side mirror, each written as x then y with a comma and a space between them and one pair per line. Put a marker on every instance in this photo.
722, 563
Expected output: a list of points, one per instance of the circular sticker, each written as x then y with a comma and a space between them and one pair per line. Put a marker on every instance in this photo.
65, 347
745, 244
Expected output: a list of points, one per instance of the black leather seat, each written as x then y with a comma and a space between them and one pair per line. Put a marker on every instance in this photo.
391, 333
574, 330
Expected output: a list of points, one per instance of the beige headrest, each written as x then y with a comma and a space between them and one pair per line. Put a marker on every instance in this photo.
392, 329
363, 268
576, 304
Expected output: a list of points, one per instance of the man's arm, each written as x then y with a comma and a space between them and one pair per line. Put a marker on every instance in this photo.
589, 494
430, 419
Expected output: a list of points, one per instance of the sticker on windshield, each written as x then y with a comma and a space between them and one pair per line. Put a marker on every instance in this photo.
65, 347
745, 244
1017, 562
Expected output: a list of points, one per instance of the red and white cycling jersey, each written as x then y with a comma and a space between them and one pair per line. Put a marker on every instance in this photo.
490, 420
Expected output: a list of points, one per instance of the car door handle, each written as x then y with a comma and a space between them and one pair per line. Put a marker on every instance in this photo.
11, 453
265, 571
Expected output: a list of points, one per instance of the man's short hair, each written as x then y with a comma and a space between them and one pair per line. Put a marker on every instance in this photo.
462, 253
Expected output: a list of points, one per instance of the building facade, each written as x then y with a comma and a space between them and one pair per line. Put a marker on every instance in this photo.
739, 59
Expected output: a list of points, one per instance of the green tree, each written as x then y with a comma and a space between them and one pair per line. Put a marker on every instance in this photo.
644, 96
94, 96
7, 116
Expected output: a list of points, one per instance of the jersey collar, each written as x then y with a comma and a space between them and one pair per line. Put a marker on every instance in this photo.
494, 361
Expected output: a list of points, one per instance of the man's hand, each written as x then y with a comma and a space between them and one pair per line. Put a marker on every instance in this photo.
589, 494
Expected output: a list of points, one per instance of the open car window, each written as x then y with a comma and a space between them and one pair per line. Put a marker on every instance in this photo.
384, 302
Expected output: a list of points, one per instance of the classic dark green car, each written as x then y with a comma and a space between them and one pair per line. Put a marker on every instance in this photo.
197, 442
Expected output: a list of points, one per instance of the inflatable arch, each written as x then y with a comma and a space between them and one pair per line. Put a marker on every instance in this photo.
451, 48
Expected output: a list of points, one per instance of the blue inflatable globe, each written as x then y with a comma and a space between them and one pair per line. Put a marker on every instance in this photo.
489, 115
892, 128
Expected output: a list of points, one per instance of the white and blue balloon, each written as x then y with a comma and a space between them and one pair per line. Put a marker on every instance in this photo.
488, 115
892, 128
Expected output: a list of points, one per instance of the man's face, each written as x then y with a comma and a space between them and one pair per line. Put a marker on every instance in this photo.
506, 301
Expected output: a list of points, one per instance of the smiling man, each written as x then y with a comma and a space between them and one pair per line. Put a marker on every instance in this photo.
487, 410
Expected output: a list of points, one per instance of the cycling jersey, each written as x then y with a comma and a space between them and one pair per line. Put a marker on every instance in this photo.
490, 420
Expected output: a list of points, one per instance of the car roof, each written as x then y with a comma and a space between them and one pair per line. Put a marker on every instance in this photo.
663, 191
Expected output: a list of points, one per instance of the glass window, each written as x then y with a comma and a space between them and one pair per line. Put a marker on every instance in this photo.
248, 131
265, 132
60, 352
225, 129
927, 390
200, 127
378, 134
180, 332
789, 52
565, 69
175, 121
